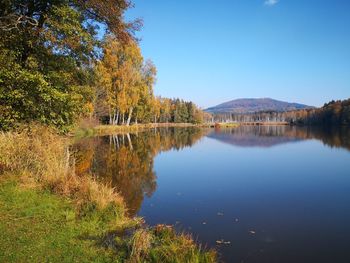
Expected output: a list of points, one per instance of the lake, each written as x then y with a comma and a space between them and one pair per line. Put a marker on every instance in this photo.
255, 193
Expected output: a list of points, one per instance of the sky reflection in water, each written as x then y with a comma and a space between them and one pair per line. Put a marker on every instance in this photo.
277, 194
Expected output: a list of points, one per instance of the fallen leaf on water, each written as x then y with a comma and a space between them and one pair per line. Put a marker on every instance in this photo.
220, 242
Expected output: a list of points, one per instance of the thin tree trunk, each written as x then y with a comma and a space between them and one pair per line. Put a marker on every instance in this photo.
116, 118
129, 117
110, 119
113, 118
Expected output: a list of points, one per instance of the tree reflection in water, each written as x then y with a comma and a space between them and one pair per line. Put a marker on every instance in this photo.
125, 161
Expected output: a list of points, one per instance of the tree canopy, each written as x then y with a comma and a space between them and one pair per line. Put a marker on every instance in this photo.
47, 49
65, 59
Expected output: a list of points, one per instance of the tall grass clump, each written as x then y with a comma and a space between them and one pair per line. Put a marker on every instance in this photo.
141, 243
162, 244
43, 157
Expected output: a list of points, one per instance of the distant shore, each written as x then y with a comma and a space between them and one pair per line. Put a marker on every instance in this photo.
111, 129
265, 123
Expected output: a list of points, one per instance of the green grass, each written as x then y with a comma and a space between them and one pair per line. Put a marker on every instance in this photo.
227, 125
84, 132
50, 214
170, 246
37, 226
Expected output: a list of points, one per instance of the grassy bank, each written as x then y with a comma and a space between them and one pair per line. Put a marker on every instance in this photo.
50, 214
37, 226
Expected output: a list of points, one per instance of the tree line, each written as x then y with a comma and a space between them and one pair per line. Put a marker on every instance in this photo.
333, 113
125, 84
56, 68
157, 110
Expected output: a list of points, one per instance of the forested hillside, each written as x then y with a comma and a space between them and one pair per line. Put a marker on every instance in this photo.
334, 113
244, 106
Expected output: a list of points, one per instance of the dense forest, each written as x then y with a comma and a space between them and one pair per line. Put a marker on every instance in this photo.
64, 60
334, 113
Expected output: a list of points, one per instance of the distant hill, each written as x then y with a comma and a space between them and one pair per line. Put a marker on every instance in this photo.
255, 105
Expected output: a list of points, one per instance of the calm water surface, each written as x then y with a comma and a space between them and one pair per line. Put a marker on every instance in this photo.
276, 194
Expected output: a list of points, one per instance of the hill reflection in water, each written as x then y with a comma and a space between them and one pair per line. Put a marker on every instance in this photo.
269, 136
126, 161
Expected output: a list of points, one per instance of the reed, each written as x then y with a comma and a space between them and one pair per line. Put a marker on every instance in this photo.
41, 155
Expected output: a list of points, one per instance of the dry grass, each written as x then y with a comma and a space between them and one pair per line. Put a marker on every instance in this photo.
42, 157
38, 150
141, 244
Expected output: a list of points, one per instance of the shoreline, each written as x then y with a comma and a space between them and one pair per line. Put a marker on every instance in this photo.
102, 129
45, 202
118, 129
105, 129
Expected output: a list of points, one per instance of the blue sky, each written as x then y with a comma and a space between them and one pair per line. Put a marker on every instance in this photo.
212, 51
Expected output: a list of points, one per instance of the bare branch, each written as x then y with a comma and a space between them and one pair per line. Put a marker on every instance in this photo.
12, 21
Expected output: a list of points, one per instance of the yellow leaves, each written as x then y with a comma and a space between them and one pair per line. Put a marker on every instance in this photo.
156, 105
123, 76
89, 107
